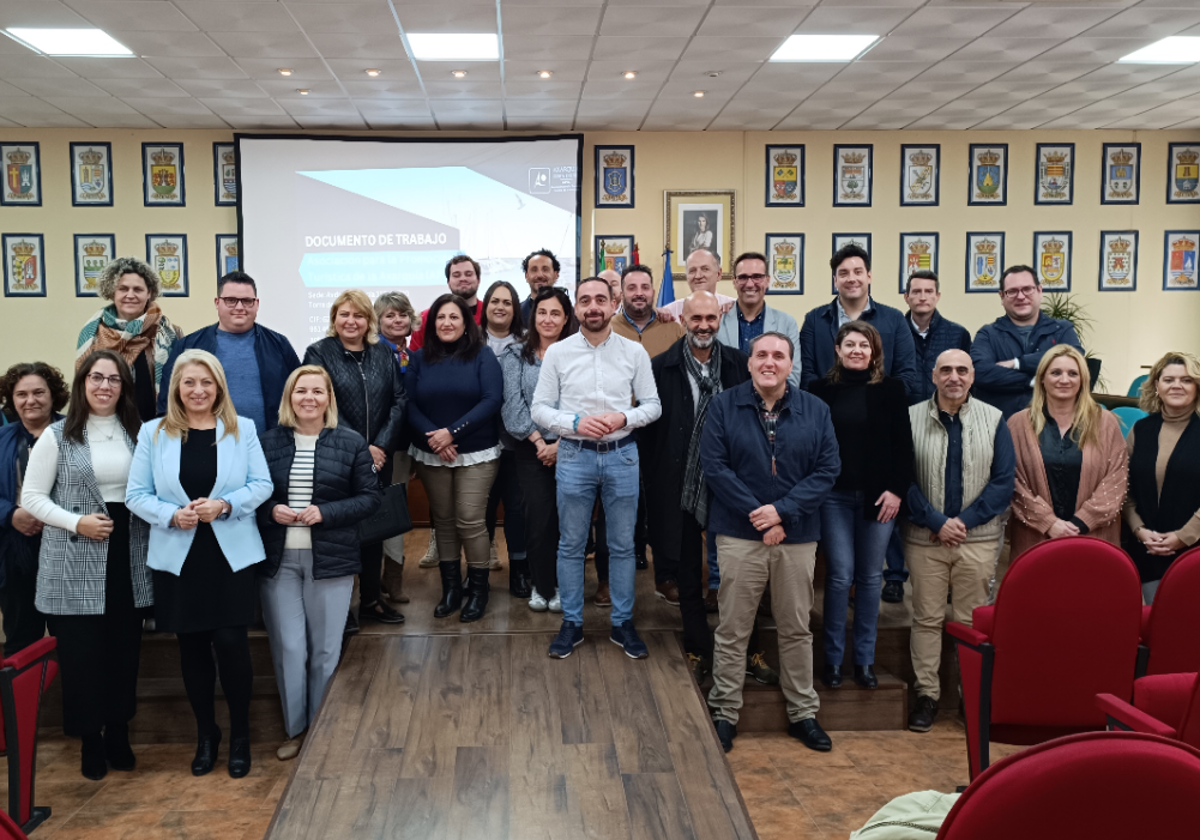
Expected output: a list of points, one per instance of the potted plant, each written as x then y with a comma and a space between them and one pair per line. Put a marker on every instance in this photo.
1066, 307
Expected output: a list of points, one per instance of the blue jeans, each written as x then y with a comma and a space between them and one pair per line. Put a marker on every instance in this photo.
895, 571
854, 549
582, 474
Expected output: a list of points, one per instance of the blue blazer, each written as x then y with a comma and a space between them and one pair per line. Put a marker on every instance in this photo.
154, 494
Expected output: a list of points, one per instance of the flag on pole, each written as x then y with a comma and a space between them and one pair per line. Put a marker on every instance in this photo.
666, 292
599, 257
637, 257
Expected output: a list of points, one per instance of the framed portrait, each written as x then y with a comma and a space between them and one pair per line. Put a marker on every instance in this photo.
1055, 182
91, 175
989, 174
167, 254
224, 174
700, 219
93, 251
985, 260
24, 265
228, 258
852, 173
614, 176
918, 252
785, 251
1121, 180
784, 169
612, 252
1183, 177
22, 175
162, 175
920, 175
1052, 256
862, 240
1179, 260
1118, 260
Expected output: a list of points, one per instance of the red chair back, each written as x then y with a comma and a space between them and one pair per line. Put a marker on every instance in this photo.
1066, 628
1097, 785
1173, 633
1189, 726
9, 830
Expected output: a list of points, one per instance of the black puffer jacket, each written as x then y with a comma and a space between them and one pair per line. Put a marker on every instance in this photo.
345, 488
370, 395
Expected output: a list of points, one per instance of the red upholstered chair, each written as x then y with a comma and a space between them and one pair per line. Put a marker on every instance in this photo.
1097, 785
1163, 704
9, 830
1171, 629
1064, 628
24, 677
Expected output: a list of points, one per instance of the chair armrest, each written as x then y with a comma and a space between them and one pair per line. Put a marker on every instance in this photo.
1131, 718
967, 635
22, 659
1146, 610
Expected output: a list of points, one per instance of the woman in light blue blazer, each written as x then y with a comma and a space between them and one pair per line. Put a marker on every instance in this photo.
198, 477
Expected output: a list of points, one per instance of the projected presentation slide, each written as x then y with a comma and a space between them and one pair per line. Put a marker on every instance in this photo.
320, 215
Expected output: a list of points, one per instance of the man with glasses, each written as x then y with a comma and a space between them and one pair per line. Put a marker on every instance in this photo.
751, 317
257, 360
1007, 351
703, 272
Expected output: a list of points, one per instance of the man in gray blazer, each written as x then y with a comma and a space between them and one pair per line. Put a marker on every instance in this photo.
751, 317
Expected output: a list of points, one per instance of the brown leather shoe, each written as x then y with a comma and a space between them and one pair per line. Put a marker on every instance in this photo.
668, 591
603, 598
710, 601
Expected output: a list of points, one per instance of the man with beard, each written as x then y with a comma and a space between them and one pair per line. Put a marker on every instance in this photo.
462, 276
586, 395
637, 319
541, 269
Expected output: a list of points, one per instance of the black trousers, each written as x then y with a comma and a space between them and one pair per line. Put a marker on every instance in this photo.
540, 490
98, 654
690, 560
23, 624
507, 488
231, 647
369, 578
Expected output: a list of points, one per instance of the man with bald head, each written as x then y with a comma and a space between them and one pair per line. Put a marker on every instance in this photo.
613, 278
964, 466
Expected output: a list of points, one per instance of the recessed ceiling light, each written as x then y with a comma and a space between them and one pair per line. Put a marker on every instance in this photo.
630, 74
303, 91
699, 94
69, 41
458, 74
454, 46
544, 74
823, 47
285, 71
373, 72
1178, 49
712, 74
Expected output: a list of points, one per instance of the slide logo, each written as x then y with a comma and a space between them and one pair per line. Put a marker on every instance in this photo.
539, 179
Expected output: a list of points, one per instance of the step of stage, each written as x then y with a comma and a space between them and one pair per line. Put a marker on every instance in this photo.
850, 708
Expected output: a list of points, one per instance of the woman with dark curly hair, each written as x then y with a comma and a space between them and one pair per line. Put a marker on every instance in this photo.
133, 327
31, 394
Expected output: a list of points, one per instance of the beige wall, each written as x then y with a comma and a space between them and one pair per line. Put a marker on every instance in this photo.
1131, 328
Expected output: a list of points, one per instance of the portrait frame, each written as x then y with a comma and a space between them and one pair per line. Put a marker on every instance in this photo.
163, 176
853, 170
985, 261
785, 263
1183, 173
1180, 249
224, 242
681, 210
840, 239
1054, 176
920, 163
616, 164
1052, 254
93, 251
22, 165
918, 251
27, 251
790, 162
1118, 260
616, 251
91, 175
1121, 173
987, 184
167, 254
225, 174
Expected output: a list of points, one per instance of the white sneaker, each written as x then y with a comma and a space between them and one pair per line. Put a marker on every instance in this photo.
536, 602
431, 556
555, 603
493, 559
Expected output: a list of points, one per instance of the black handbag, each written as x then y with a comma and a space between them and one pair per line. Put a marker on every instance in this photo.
391, 520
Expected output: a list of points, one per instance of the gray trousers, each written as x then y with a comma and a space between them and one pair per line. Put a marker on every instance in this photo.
304, 619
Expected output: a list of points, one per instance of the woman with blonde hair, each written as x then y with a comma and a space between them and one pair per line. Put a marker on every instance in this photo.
1163, 508
325, 485
370, 398
198, 476
1072, 465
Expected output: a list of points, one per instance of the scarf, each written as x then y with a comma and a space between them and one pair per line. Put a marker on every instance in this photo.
152, 335
695, 490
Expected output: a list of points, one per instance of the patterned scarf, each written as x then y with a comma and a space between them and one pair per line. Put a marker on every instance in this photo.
695, 490
152, 334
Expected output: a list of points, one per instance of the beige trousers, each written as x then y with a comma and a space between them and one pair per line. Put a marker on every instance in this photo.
458, 506
932, 570
746, 568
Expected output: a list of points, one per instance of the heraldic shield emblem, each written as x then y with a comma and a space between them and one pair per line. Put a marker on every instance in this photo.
1119, 263
983, 264
25, 265
987, 174
1182, 267
920, 176
1053, 262
20, 173
785, 175
1120, 172
616, 177
919, 257
168, 264
95, 258
91, 172
1055, 174
163, 172
1187, 174
784, 265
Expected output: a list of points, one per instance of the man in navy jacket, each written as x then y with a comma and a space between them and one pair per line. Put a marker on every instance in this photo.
1007, 351
769, 455
852, 275
257, 361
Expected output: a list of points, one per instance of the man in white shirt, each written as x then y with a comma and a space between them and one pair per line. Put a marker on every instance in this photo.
703, 272
595, 387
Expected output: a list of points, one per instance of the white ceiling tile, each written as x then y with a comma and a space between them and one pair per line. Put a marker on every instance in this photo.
117, 15
546, 123
288, 89
1068, 20
54, 119
651, 20
717, 50
1058, 72
649, 72
10, 47
129, 120
688, 78
952, 22
86, 107
38, 14
394, 70
519, 67
373, 109
464, 89
868, 121
32, 65
634, 47
853, 20
55, 87
608, 89
1084, 48
881, 75
174, 44
345, 122
1008, 121
1132, 74
8, 123
110, 68
303, 69
242, 107
263, 44
141, 87
762, 21
384, 89
222, 88
548, 21
1003, 93
402, 123
540, 107
913, 48
385, 44
538, 88
197, 68
252, 123
477, 71
9, 90
238, 16
167, 105
1162, 116
309, 107
965, 71
548, 50
473, 110
189, 120
444, 17
1146, 23
1006, 49
943, 122
327, 17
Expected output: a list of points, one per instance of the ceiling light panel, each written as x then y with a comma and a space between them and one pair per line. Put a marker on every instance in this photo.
94, 42
824, 47
454, 46
1178, 49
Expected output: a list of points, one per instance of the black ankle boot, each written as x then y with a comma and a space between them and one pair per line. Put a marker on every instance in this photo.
519, 585
451, 590
116, 747
92, 764
864, 675
239, 757
206, 753
477, 595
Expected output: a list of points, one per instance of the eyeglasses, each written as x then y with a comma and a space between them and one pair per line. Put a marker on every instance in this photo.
746, 278
98, 379
1024, 291
234, 303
